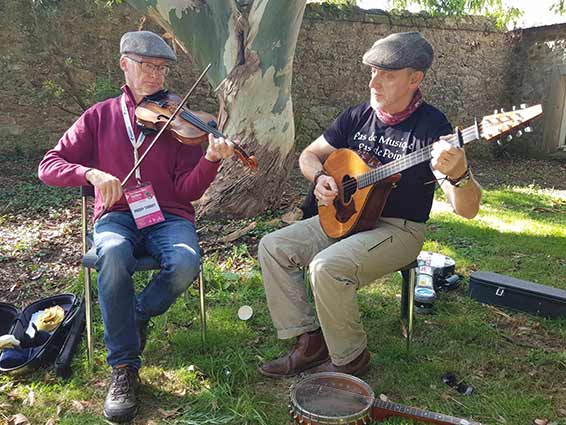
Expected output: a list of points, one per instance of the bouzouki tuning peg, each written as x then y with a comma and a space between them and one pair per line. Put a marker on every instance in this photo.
509, 137
502, 110
498, 142
495, 112
514, 108
523, 106
519, 133
528, 129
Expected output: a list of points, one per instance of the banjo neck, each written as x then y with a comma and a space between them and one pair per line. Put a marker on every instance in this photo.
384, 409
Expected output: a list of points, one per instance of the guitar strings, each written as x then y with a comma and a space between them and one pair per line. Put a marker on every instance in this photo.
407, 161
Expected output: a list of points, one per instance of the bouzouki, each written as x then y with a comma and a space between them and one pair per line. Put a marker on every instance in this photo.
362, 190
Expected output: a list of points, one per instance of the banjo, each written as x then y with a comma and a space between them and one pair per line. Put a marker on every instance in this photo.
330, 398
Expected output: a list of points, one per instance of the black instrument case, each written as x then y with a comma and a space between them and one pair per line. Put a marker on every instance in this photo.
55, 350
516, 294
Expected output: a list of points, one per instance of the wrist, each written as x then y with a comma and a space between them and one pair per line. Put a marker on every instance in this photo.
319, 173
212, 158
87, 173
462, 180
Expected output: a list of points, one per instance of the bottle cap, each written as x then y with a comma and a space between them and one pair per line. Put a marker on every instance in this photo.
245, 312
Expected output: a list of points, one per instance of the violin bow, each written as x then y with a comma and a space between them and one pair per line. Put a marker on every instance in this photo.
171, 118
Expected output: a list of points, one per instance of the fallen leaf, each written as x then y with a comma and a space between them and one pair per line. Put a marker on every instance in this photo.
18, 419
30, 399
169, 413
77, 406
14, 394
541, 421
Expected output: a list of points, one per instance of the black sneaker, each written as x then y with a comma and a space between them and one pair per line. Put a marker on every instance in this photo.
121, 404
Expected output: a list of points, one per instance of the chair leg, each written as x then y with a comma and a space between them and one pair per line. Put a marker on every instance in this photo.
88, 318
202, 307
408, 302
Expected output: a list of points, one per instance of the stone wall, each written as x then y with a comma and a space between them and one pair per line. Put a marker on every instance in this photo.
470, 76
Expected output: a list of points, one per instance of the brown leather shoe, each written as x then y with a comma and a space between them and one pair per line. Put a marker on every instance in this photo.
309, 351
357, 367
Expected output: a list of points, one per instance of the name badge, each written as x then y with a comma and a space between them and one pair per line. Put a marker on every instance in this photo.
143, 205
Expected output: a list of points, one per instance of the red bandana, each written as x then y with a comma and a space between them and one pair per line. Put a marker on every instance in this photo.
394, 119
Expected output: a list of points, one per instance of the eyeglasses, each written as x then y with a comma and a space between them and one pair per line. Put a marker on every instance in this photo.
150, 68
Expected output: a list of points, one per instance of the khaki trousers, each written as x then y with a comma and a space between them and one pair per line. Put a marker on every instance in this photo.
337, 268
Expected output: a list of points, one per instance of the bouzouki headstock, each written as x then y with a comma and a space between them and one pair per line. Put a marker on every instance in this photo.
499, 124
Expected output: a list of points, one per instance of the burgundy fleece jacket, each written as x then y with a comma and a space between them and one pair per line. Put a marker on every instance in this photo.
98, 139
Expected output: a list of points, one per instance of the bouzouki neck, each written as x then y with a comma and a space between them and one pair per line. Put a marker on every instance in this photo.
384, 409
491, 127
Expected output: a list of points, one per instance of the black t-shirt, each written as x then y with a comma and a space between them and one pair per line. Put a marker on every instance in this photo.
359, 129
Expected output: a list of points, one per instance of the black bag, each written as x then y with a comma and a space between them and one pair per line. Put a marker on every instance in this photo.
56, 346
516, 294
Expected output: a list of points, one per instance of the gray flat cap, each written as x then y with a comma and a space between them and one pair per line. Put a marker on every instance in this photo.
400, 50
146, 43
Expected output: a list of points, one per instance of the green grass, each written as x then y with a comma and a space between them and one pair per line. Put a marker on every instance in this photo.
516, 362
24, 192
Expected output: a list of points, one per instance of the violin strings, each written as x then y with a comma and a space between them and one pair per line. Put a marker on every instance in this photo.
193, 119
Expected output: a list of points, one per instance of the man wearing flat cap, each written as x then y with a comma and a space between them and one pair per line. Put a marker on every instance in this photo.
394, 123
152, 212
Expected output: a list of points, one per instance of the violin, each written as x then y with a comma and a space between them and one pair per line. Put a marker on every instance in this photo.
188, 127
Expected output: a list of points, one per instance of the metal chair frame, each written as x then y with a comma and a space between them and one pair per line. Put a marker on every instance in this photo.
409, 274
148, 263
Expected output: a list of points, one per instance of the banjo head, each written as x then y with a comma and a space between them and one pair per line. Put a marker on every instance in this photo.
329, 398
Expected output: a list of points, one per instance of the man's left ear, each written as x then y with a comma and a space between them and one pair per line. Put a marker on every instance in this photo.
417, 78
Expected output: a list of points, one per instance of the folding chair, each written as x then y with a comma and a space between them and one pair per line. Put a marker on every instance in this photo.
409, 274
144, 263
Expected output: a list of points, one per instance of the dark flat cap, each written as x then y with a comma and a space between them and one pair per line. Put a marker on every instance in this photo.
146, 43
400, 50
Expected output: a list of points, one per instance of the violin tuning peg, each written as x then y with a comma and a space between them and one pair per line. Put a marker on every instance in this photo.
519, 133
523, 106
528, 129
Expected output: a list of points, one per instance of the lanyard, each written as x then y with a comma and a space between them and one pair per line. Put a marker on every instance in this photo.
135, 143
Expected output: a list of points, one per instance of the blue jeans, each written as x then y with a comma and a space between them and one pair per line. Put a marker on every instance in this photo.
173, 243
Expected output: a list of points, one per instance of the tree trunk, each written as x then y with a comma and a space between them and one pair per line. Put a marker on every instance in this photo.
252, 60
